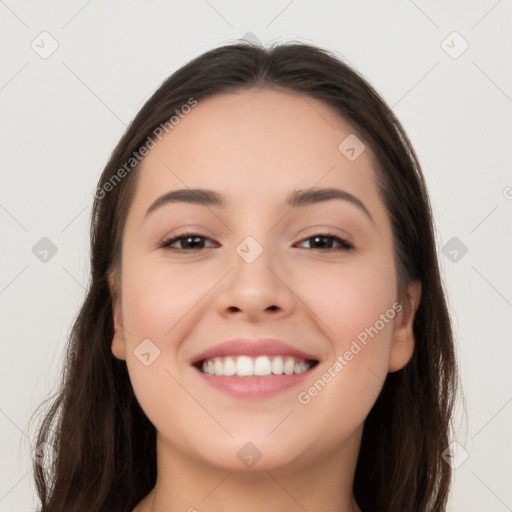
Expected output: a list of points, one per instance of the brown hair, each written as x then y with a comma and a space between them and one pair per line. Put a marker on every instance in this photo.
105, 445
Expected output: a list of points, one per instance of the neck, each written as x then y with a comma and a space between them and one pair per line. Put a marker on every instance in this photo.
319, 483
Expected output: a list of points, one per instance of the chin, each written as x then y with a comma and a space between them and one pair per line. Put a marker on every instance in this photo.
253, 453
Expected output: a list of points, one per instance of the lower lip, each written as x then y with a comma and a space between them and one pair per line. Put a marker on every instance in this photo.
254, 387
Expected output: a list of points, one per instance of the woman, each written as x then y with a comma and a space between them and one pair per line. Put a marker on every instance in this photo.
265, 326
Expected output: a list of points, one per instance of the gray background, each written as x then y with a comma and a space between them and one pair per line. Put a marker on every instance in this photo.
63, 113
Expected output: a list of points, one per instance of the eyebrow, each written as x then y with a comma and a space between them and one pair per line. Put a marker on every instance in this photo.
297, 198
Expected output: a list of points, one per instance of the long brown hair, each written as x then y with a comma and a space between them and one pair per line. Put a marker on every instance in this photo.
104, 445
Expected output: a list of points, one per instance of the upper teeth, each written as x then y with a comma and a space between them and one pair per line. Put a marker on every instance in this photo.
245, 366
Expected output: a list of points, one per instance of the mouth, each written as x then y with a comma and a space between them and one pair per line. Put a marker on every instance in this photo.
244, 366
253, 368
248, 378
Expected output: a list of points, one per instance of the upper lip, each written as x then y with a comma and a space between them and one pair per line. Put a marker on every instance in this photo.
253, 348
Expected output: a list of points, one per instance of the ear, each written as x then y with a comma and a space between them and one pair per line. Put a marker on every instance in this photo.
118, 342
403, 342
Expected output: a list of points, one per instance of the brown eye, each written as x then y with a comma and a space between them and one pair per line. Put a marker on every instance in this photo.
186, 242
323, 240
194, 242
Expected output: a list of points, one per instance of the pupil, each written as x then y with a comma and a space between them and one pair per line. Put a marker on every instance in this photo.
319, 238
191, 238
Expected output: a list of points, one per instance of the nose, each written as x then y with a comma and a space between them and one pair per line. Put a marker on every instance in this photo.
256, 290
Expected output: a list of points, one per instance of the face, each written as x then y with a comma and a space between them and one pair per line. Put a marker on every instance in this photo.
319, 277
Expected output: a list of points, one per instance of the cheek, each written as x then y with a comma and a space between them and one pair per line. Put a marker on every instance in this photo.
155, 304
350, 298
156, 298
357, 310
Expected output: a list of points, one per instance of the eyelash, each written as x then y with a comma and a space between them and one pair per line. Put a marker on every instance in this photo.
344, 244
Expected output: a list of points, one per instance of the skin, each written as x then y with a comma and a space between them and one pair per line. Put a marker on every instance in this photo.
255, 147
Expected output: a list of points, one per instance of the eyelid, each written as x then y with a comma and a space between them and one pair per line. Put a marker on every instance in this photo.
322, 229
170, 239
345, 242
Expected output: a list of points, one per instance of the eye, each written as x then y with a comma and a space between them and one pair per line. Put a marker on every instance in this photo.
323, 239
188, 242
195, 242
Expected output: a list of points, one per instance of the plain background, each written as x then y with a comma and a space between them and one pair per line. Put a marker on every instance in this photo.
62, 115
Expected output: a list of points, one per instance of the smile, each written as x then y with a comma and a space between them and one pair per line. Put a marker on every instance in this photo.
261, 366
254, 368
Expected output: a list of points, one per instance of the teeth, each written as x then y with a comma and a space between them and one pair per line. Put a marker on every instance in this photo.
229, 366
262, 366
218, 366
277, 365
301, 367
245, 366
289, 365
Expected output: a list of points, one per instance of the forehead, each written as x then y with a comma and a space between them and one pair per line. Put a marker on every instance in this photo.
256, 143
